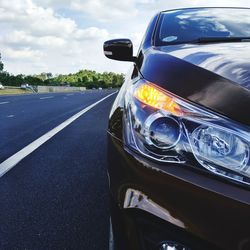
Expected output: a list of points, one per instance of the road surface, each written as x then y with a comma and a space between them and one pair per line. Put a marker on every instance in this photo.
56, 197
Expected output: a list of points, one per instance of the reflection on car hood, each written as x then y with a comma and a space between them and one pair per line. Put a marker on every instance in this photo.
215, 76
229, 60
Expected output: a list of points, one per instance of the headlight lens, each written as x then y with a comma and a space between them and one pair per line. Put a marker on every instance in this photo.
157, 126
215, 146
163, 127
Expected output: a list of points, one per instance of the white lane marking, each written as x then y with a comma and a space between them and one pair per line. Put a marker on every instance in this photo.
10, 116
1, 103
47, 97
111, 236
9, 163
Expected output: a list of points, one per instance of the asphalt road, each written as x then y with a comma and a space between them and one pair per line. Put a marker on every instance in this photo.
57, 196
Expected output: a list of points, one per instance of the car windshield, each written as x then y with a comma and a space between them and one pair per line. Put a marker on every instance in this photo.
203, 24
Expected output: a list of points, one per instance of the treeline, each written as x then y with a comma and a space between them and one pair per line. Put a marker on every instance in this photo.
83, 78
17, 80
89, 79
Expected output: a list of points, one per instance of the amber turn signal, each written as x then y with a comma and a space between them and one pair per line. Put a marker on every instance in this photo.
157, 98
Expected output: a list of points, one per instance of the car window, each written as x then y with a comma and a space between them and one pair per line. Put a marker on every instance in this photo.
180, 26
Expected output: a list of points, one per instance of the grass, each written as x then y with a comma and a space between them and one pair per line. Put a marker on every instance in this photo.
14, 91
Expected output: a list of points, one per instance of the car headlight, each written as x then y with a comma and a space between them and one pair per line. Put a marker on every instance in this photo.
166, 128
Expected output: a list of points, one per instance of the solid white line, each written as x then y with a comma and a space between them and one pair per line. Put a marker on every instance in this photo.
20, 155
111, 236
47, 97
4, 103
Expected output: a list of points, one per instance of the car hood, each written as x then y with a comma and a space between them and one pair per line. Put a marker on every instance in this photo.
230, 60
216, 76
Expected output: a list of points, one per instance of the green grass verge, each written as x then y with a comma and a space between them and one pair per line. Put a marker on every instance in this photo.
14, 91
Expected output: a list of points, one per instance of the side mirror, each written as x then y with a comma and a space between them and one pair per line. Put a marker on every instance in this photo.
119, 49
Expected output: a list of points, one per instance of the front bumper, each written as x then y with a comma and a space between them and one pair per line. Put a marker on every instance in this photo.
153, 203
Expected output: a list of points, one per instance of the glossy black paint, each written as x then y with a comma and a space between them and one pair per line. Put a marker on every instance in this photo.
119, 49
197, 84
211, 214
153, 202
229, 60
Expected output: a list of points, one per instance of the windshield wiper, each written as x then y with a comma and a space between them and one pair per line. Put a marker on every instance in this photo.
220, 39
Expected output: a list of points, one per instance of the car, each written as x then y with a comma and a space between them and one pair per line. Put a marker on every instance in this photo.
179, 134
24, 86
1, 86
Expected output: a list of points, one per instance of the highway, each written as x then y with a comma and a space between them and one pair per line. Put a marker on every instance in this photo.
53, 184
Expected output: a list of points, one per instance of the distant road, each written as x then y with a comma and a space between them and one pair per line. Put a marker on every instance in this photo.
57, 196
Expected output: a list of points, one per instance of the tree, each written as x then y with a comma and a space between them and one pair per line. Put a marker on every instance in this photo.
1, 63
83, 78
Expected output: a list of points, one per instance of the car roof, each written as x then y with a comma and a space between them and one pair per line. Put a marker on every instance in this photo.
198, 8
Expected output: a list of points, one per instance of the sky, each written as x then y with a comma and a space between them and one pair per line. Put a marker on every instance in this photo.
64, 36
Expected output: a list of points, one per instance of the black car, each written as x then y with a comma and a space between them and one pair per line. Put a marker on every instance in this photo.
178, 136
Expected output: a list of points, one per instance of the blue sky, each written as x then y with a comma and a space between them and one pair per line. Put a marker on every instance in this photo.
63, 36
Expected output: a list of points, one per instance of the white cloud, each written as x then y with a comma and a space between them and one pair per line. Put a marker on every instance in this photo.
106, 10
24, 54
35, 36
103, 10
91, 33
32, 34
34, 19
23, 39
